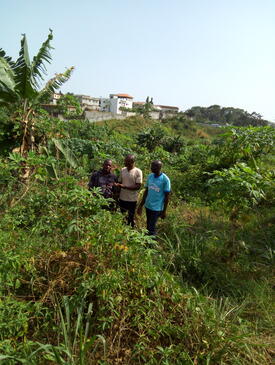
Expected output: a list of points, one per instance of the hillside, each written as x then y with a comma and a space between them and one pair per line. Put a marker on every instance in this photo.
78, 286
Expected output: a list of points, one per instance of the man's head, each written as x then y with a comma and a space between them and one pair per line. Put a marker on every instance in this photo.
107, 166
129, 161
156, 167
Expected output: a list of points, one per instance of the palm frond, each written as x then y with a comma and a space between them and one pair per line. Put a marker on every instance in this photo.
6, 74
38, 65
7, 95
54, 84
7, 83
7, 58
23, 71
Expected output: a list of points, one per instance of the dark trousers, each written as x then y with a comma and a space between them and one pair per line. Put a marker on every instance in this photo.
152, 217
130, 208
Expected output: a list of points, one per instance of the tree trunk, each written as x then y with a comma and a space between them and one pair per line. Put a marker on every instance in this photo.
27, 143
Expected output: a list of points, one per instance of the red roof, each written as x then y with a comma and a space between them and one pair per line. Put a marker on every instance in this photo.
124, 96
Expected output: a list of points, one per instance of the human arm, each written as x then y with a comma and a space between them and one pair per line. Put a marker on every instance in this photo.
116, 189
136, 186
166, 200
139, 209
93, 181
166, 192
136, 183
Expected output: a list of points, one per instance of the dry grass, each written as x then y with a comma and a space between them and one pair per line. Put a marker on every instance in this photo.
202, 134
59, 273
129, 125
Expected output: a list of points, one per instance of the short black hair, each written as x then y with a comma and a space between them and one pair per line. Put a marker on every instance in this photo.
157, 162
131, 157
107, 160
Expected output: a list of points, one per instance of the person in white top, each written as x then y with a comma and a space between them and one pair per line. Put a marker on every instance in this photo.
130, 181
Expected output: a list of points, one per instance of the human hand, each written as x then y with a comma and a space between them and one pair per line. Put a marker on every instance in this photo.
139, 210
163, 214
119, 185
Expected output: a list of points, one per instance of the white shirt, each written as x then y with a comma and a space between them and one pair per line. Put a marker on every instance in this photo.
130, 178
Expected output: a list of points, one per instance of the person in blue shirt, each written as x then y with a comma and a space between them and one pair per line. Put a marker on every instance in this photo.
155, 197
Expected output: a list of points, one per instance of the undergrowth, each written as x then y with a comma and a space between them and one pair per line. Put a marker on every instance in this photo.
77, 286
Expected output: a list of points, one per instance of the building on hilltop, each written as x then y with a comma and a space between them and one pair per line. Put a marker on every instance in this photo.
51, 105
157, 111
167, 108
138, 103
104, 104
88, 102
55, 97
116, 106
118, 101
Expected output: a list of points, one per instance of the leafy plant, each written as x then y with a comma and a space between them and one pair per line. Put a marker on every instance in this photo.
20, 87
151, 138
244, 145
69, 106
237, 188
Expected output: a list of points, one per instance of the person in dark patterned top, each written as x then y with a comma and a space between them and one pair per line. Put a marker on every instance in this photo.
104, 180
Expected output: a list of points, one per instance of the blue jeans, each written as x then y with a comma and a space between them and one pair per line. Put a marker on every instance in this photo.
152, 217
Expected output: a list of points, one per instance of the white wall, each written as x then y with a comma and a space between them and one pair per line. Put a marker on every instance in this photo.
94, 116
116, 103
105, 105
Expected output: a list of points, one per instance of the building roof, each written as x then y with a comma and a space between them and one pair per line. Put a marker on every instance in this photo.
157, 106
139, 102
87, 97
123, 96
168, 107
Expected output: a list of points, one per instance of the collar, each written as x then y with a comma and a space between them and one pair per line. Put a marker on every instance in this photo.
157, 176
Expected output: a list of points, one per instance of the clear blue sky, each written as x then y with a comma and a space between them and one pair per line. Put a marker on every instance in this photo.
180, 52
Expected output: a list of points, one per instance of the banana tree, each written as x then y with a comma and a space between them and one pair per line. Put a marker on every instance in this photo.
20, 87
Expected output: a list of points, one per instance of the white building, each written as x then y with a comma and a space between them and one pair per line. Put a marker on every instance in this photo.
118, 101
55, 97
167, 108
104, 105
89, 102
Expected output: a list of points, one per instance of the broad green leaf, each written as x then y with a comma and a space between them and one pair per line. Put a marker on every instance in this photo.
25, 86
66, 152
38, 65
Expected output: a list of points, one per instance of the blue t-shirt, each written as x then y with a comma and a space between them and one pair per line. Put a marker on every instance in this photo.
157, 186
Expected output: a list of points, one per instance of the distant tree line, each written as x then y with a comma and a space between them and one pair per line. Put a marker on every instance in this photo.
228, 115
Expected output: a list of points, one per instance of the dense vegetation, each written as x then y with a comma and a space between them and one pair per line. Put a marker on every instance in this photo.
225, 115
78, 286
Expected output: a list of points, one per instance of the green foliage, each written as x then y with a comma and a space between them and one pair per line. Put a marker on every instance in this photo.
237, 188
227, 115
77, 345
69, 106
244, 144
151, 138
173, 144
20, 87
145, 109
15, 317
80, 287
7, 132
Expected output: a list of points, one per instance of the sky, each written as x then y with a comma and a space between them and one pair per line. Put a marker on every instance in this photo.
180, 52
